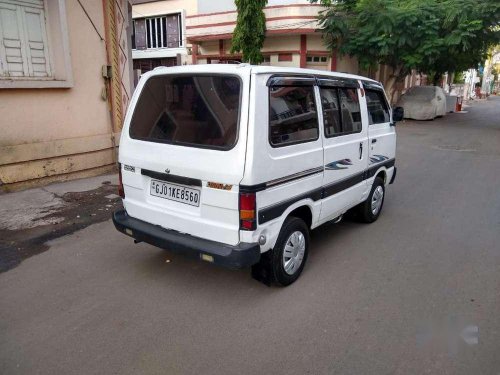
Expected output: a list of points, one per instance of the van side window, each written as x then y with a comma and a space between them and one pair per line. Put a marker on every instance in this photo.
378, 109
331, 112
343, 118
351, 113
293, 117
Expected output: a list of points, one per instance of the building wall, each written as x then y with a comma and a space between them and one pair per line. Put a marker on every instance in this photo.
289, 19
211, 6
347, 64
62, 133
291, 30
282, 43
164, 6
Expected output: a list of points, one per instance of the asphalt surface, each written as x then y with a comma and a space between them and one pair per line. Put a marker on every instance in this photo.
416, 292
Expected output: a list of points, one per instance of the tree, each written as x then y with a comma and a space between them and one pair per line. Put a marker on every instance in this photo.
250, 30
467, 32
431, 36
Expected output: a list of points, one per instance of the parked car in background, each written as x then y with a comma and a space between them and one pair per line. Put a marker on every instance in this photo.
423, 102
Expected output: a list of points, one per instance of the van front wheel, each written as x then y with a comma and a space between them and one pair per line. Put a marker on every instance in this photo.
290, 252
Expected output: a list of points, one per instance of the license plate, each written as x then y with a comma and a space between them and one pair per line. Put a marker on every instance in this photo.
175, 192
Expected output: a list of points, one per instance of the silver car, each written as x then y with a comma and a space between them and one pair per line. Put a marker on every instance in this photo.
423, 102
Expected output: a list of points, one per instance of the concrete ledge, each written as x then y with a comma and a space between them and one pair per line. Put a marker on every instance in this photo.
60, 147
36, 169
22, 185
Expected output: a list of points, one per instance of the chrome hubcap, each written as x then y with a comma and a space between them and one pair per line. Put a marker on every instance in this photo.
377, 198
295, 248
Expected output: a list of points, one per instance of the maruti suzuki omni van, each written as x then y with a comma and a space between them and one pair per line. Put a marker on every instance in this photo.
235, 164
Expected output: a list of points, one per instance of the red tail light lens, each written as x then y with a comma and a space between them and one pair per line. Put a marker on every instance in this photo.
121, 191
247, 211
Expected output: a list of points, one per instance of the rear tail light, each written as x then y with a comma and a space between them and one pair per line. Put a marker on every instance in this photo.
247, 211
121, 191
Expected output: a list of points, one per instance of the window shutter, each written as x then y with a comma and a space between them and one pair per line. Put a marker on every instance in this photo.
173, 31
23, 39
140, 33
12, 51
36, 42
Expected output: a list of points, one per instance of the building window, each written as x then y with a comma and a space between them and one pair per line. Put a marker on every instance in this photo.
292, 115
34, 45
145, 65
266, 60
24, 48
227, 60
157, 32
316, 59
285, 57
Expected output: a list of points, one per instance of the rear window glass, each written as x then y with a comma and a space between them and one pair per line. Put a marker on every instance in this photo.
194, 110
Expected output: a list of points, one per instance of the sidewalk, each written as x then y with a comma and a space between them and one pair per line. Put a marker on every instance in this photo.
30, 218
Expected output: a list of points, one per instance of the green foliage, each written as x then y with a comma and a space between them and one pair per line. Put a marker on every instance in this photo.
431, 36
250, 30
459, 78
495, 71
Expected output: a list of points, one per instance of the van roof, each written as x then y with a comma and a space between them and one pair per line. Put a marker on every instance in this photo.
252, 69
262, 69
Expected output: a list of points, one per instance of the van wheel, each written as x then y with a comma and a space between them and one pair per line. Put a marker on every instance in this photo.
290, 252
369, 210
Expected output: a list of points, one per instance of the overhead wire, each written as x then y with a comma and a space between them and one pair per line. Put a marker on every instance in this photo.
90, 19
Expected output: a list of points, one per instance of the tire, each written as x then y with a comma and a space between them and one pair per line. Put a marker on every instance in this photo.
287, 264
369, 211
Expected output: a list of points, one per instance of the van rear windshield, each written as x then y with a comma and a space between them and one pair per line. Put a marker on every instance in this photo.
188, 110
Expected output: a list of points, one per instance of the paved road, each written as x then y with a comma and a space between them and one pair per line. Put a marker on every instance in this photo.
391, 297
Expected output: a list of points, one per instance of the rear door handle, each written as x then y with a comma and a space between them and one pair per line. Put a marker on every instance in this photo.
374, 141
361, 150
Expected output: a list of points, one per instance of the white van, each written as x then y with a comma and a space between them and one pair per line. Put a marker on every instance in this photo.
235, 164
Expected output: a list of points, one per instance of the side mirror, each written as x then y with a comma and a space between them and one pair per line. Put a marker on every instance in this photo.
397, 115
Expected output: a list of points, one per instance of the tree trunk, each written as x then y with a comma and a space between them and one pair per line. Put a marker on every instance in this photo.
436, 79
391, 84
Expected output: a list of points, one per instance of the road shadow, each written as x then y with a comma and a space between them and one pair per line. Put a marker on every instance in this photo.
181, 271
80, 210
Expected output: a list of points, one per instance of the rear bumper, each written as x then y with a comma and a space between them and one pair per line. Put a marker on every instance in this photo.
237, 256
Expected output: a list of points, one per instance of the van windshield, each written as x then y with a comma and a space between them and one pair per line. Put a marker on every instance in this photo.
188, 110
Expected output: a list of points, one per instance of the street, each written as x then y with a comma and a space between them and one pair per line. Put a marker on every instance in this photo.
415, 292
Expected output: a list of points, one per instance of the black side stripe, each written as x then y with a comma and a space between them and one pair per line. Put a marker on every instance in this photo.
337, 187
373, 169
279, 181
171, 178
276, 210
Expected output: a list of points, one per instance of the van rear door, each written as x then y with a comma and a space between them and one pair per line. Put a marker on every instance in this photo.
182, 151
